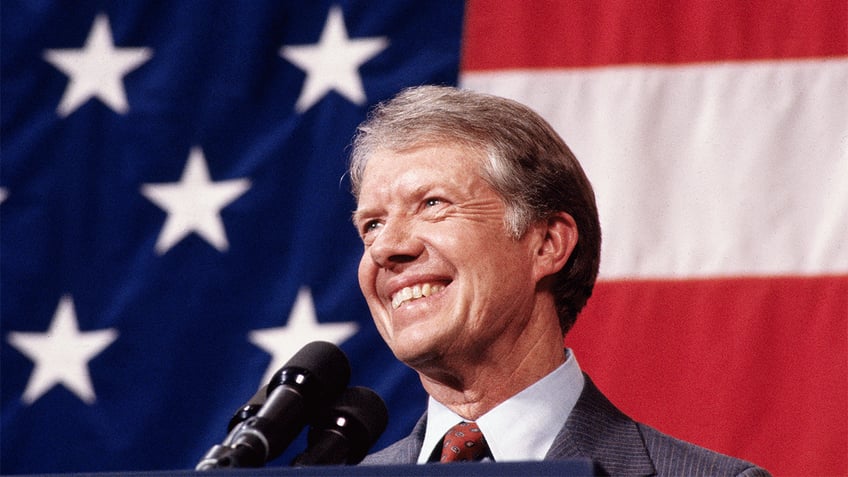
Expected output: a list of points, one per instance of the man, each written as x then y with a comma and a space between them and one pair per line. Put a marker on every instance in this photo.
482, 245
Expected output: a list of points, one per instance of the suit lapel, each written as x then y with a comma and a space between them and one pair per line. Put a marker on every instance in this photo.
598, 430
412, 444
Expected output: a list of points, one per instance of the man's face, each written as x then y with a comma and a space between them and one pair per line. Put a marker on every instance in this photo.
439, 271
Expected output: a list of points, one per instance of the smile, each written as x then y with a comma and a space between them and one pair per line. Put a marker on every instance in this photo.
414, 292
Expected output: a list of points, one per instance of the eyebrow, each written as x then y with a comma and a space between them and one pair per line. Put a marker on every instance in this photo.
357, 215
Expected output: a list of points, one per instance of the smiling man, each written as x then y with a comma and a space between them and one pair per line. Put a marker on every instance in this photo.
481, 246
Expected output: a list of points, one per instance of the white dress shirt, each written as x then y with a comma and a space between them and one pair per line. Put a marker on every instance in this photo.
523, 427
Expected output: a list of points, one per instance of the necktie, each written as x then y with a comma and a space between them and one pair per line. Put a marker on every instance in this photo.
464, 442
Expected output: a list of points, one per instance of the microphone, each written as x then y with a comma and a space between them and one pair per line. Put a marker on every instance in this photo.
344, 433
310, 381
248, 409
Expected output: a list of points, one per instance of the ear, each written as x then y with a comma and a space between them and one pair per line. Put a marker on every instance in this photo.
559, 237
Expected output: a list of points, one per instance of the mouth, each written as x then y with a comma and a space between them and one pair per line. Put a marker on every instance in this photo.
415, 292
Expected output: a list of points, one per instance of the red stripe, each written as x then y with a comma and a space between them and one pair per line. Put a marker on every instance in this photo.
503, 34
756, 368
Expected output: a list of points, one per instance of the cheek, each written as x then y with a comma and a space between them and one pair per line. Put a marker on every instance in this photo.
366, 276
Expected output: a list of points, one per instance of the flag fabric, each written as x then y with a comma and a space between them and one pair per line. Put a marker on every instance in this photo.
176, 222
714, 134
174, 217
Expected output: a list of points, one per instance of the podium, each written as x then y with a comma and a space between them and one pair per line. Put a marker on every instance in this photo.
561, 468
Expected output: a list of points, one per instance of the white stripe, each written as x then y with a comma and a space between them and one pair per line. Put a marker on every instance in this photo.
706, 170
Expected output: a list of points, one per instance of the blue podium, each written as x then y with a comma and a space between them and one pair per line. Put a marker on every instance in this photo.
563, 468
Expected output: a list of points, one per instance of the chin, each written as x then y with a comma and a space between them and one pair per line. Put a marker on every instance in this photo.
415, 351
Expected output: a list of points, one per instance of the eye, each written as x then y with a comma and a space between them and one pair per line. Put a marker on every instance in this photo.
369, 226
432, 202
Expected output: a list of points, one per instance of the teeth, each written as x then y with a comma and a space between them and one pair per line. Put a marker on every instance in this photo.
415, 292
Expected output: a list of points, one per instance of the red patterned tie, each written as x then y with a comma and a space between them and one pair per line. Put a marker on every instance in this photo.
464, 442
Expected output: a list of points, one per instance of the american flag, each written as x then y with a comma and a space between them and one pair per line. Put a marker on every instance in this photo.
174, 217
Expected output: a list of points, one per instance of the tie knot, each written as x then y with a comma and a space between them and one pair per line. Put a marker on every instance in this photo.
464, 442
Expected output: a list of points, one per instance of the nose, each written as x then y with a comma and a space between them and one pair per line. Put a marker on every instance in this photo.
396, 244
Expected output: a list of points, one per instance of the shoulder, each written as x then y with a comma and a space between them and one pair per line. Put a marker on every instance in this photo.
672, 456
404, 451
618, 445
401, 452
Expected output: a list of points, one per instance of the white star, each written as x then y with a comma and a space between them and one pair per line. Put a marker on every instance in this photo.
97, 69
333, 63
194, 204
61, 354
302, 328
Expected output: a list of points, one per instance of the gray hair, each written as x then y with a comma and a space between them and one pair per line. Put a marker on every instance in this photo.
525, 161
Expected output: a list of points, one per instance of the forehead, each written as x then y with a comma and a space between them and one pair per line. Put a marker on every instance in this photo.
433, 162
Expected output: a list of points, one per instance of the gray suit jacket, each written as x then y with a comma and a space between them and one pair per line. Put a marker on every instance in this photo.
597, 430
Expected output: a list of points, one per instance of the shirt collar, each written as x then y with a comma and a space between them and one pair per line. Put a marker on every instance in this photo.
520, 428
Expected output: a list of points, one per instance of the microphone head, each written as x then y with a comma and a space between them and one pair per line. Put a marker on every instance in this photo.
360, 415
320, 370
365, 406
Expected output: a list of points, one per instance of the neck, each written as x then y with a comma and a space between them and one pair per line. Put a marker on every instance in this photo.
471, 390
